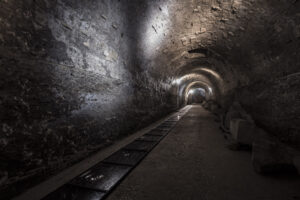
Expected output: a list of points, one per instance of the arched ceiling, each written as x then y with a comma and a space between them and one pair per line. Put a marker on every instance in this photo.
222, 41
198, 84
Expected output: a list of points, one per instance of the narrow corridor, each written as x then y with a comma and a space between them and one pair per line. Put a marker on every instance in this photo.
89, 88
193, 163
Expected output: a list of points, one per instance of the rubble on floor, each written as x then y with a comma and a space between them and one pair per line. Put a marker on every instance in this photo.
269, 155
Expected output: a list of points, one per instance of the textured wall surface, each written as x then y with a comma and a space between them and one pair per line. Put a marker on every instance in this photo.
68, 84
77, 74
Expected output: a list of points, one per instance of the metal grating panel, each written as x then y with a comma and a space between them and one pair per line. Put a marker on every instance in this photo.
126, 157
68, 192
162, 129
141, 145
165, 126
102, 177
157, 133
97, 182
151, 138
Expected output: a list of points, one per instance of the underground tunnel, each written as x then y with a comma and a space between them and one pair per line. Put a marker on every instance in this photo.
217, 80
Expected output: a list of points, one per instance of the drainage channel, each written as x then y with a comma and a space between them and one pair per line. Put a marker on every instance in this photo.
97, 182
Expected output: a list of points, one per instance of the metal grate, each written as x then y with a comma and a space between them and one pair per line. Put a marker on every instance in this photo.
69, 192
139, 145
97, 182
125, 157
102, 177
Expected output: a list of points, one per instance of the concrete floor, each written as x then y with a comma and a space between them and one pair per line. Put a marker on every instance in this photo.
193, 163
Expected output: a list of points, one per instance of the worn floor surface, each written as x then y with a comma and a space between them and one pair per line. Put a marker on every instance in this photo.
193, 163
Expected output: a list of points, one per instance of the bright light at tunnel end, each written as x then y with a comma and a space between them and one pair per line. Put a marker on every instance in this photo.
191, 91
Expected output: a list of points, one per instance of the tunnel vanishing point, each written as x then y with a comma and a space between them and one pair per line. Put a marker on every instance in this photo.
78, 76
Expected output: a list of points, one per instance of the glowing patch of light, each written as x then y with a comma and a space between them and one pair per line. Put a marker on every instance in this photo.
156, 29
194, 76
215, 74
201, 91
176, 81
191, 92
210, 90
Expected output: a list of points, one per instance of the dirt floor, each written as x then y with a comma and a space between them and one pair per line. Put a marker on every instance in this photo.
193, 163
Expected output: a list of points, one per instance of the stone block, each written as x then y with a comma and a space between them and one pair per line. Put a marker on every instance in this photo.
242, 131
236, 112
230, 115
270, 156
205, 105
213, 107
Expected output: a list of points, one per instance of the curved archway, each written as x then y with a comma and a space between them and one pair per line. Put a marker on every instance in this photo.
185, 82
199, 84
196, 95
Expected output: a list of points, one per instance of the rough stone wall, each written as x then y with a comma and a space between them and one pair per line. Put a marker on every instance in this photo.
252, 45
67, 85
267, 63
75, 75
